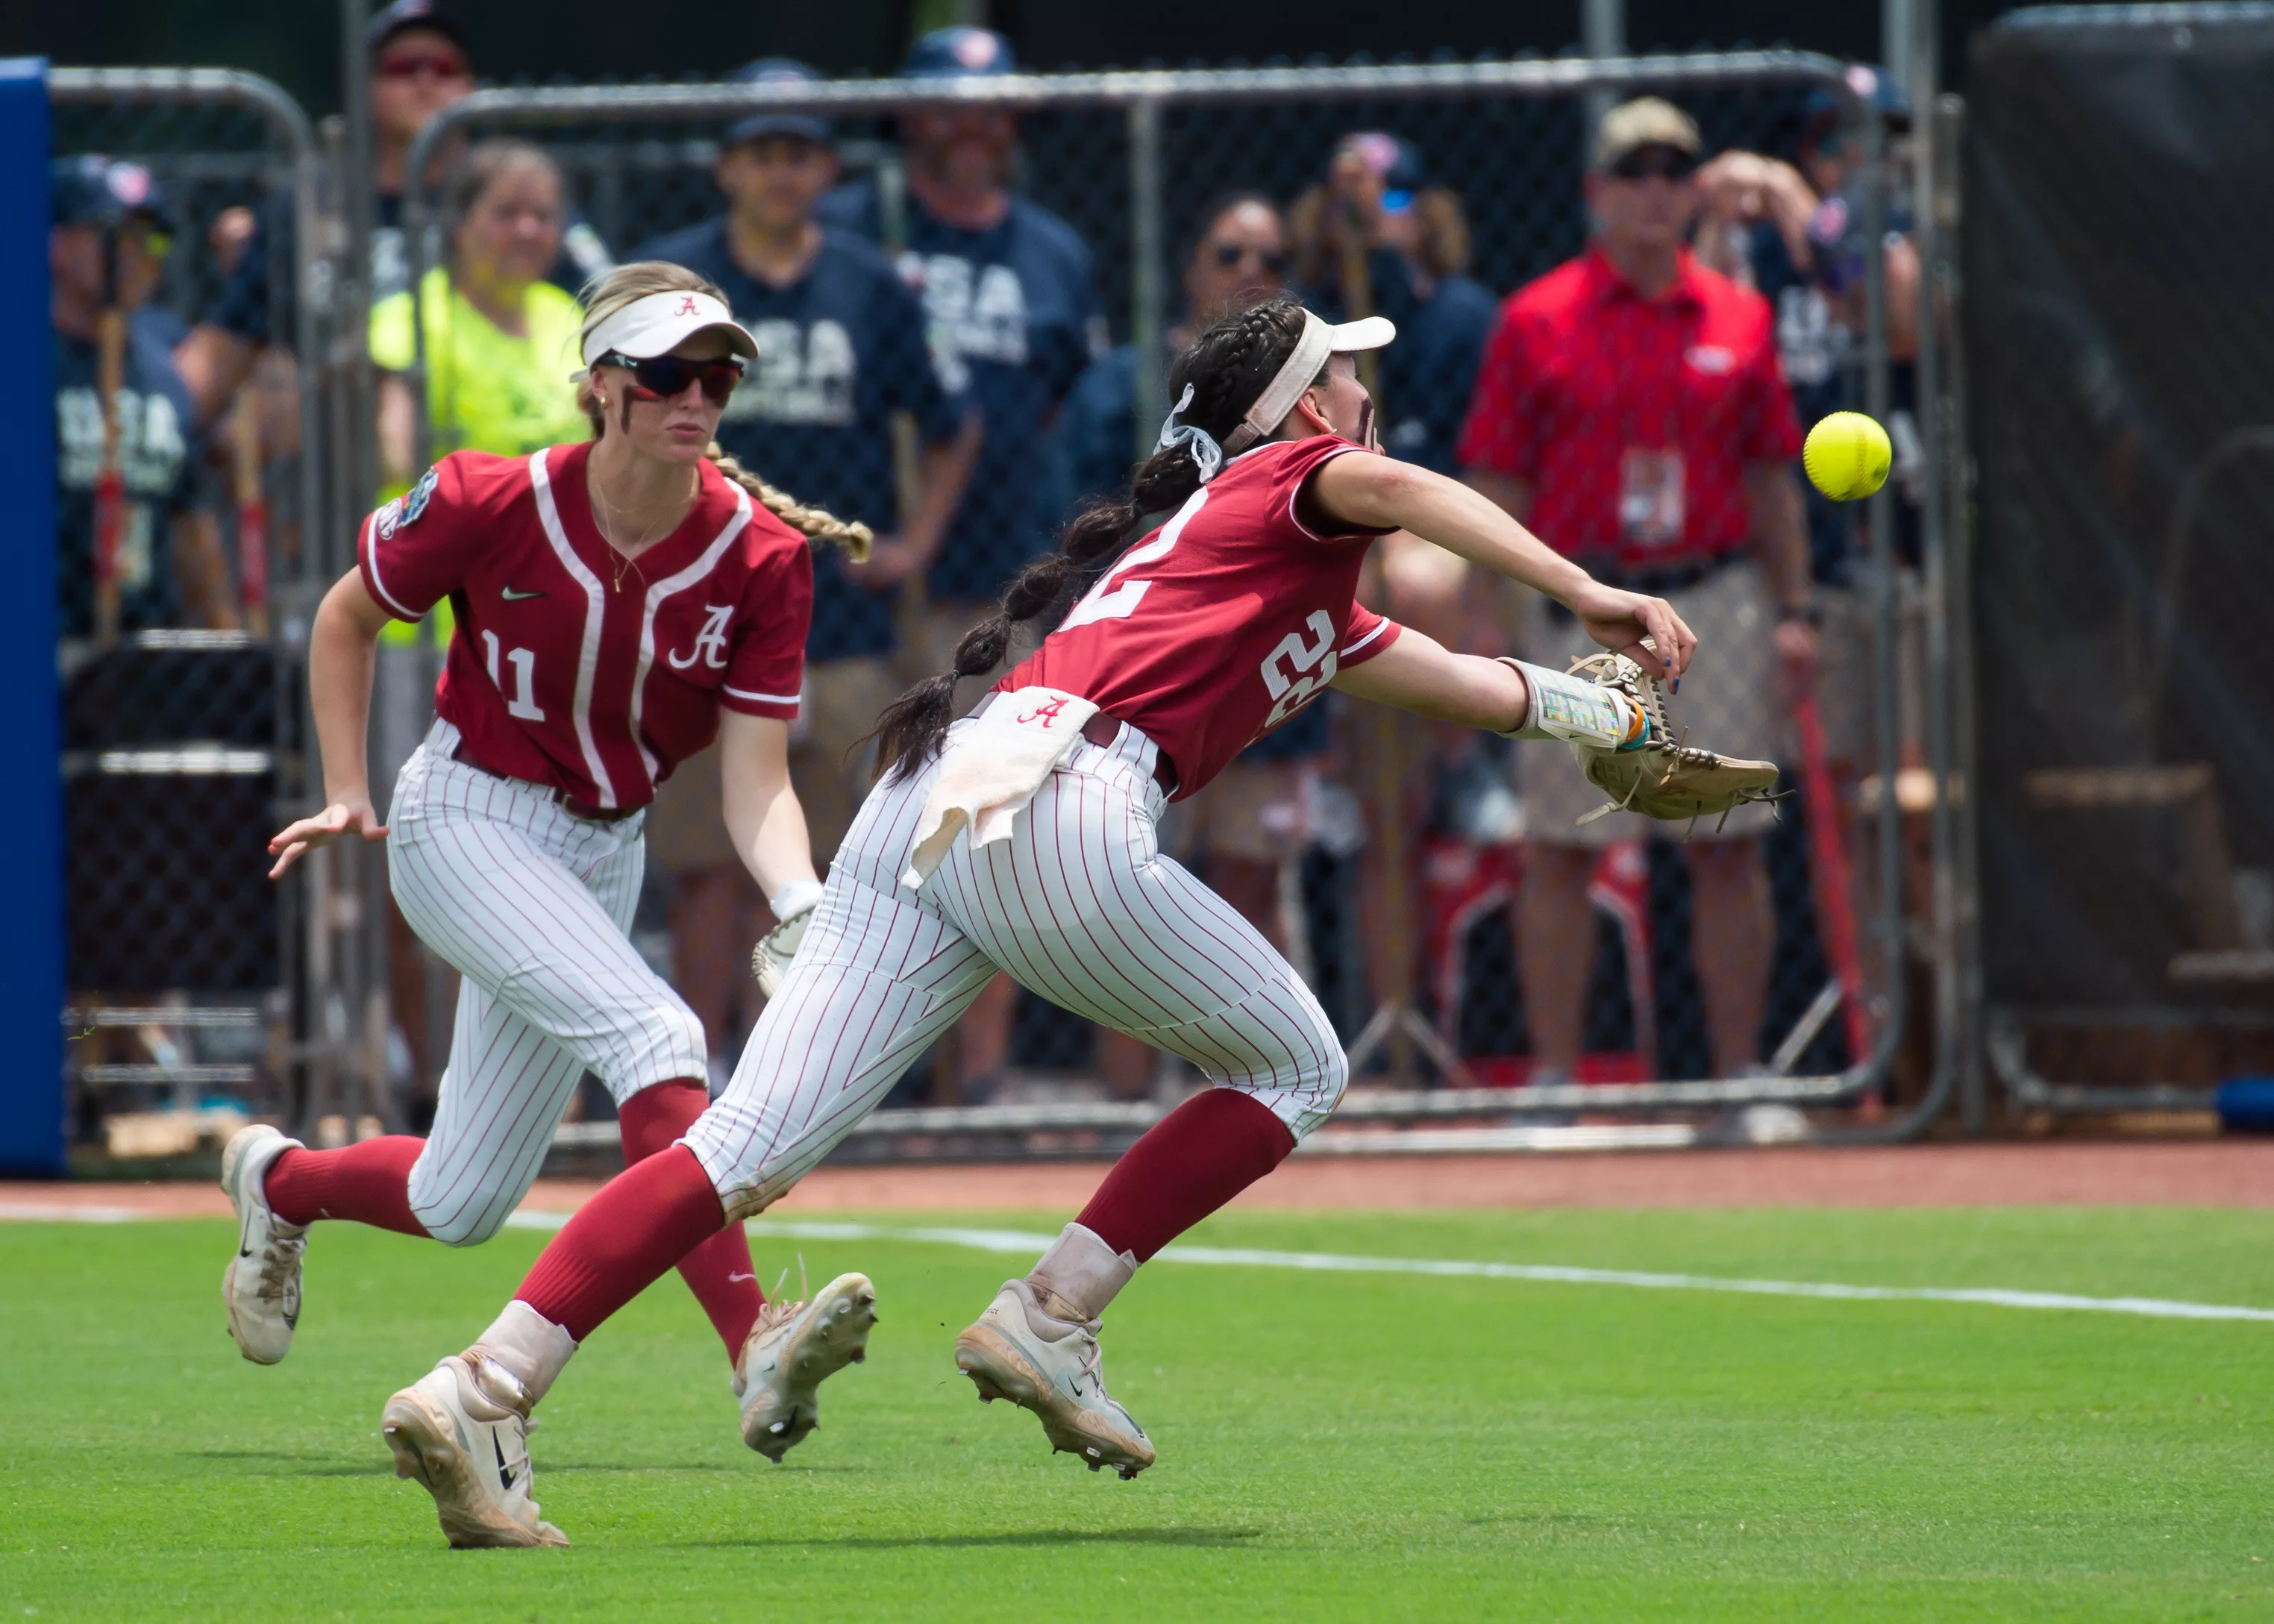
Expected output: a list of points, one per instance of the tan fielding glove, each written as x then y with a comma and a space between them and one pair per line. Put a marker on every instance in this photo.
1658, 778
793, 905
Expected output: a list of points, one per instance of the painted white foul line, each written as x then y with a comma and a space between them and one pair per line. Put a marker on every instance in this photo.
1020, 1242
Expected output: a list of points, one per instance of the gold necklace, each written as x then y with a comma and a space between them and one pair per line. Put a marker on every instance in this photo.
604, 516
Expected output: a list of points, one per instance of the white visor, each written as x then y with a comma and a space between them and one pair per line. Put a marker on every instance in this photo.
1319, 340
659, 323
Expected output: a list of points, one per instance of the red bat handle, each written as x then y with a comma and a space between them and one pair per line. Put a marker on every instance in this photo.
1835, 910
109, 519
253, 553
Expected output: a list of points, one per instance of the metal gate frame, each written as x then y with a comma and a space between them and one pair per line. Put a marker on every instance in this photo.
310, 911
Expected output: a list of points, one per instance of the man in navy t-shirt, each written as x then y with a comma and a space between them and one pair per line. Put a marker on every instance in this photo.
842, 350
1013, 303
1010, 293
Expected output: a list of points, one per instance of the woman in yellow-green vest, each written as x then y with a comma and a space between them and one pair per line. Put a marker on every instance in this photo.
501, 342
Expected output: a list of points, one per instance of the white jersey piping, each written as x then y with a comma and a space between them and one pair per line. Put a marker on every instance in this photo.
588, 657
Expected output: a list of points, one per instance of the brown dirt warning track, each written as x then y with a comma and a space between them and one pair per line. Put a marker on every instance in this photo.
2209, 1173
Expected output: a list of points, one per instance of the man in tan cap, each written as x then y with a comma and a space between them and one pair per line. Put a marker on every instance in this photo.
1631, 410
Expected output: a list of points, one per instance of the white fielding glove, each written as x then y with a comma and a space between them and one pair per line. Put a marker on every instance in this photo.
793, 905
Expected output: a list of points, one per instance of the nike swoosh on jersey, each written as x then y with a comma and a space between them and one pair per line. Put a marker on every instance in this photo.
512, 597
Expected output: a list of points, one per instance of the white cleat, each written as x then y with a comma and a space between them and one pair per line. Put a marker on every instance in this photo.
795, 1347
460, 1431
1018, 1350
261, 1285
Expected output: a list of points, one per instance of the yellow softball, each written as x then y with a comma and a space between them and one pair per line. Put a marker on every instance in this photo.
1847, 456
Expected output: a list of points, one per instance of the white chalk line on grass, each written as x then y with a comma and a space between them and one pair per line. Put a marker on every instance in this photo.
1021, 1241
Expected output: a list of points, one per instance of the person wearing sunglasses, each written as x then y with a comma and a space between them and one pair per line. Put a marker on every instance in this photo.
843, 356
419, 65
106, 250
1631, 408
622, 601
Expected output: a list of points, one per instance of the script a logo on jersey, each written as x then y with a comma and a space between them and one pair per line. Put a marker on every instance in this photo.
710, 645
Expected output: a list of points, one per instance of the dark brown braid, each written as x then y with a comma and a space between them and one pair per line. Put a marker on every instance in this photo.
1229, 365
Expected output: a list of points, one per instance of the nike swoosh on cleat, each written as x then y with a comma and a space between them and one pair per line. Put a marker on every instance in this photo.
512, 597
505, 1473
245, 1252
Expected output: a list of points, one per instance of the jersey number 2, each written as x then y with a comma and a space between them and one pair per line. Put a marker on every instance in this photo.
1117, 600
522, 702
1292, 693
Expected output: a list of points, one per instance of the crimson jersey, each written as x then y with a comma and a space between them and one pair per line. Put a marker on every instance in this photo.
1223, 623
571, 665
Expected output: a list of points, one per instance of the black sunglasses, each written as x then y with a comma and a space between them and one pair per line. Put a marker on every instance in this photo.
1660, 162
1229, 254
663, 378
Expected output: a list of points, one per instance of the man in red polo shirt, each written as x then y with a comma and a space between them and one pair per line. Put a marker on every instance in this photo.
1630, 409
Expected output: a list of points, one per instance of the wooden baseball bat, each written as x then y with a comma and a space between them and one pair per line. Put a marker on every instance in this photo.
110, 478
252, 510
1835, 906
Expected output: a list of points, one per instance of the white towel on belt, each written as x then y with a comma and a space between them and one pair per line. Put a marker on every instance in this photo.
991, 770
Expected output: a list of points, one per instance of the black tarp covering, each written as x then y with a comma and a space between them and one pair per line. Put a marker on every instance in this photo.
2119, 274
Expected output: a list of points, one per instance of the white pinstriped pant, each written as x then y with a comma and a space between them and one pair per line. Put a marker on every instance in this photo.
531, 906
1079, 904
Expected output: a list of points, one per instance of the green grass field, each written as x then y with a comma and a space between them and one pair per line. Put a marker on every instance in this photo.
1332, 1446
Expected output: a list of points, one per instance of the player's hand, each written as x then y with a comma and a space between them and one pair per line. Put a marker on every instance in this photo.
304, 835
1620, 619
891, 561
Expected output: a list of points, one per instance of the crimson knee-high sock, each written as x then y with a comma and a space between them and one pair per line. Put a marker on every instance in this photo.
719, 1271
1192, 1161
647, 1218
369, 1183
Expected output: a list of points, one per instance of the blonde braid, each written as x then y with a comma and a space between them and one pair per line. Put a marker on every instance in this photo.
817, 524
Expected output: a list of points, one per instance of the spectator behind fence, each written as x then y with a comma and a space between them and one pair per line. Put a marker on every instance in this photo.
842, 348
1631, 410
1796, 235
106, 248
500, 341
1242, 828
1374, 238
1010, 293
418, 66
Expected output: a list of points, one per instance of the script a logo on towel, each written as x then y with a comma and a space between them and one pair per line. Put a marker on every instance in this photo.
1048, 714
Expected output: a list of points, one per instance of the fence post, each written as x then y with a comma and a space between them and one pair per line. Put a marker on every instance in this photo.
31, 823
1147, 292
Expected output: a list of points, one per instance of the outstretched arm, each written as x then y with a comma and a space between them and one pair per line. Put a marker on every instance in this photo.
1420, 674
764, 818
340, 660
1380, 493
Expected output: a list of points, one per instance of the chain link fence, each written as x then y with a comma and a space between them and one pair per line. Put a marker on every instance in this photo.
1388, 860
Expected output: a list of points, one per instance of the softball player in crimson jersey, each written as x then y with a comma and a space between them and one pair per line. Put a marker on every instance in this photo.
1023, 839
619, 604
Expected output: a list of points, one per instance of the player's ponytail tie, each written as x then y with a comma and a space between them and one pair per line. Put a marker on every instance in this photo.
1206, 455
